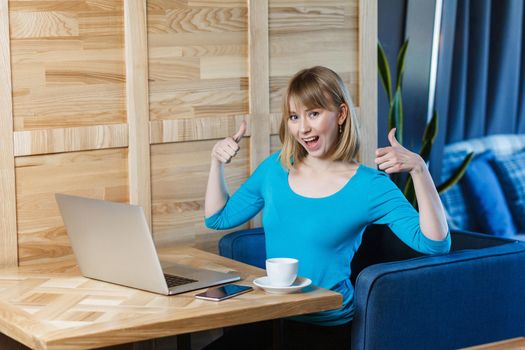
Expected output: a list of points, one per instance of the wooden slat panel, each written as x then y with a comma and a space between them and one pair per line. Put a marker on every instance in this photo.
138, 105
275, 123
98, 174
210, 65
259, 86
198, 61
194, 129
367, 82
68, 63
70, 139
304, 34
179, 178
36, 24
275, 144
198, 81
8, 243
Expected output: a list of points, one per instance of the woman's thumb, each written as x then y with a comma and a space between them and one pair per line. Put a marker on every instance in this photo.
240, 133
392, 137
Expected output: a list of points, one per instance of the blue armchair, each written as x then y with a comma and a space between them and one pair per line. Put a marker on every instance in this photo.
473, 295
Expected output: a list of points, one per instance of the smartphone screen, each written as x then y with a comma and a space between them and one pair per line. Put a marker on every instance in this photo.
223, 292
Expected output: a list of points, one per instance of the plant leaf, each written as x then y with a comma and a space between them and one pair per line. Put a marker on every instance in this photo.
457, 175
395, 117
428, 137
401, 63
384, 71
391, 116
410, 192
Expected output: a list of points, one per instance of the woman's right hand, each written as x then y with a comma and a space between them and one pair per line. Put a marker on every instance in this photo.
226, 149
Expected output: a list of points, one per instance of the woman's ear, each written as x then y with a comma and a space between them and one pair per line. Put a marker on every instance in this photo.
343, 114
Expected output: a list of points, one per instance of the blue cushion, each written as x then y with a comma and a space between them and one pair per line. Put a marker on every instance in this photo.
459, 214
511, 172
454, 199
485, 196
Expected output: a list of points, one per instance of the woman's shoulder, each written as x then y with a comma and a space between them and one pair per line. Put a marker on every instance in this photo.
373, 175
370, 172
272, 160
271, 163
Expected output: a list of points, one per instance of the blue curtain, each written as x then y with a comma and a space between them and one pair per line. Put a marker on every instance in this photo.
481, 71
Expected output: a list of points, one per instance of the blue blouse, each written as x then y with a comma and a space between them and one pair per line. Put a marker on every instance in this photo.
324, 233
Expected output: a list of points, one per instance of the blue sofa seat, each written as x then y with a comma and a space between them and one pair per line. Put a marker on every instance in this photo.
405, 300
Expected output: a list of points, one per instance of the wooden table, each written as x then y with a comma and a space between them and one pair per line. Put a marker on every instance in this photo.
53, 307
510, 344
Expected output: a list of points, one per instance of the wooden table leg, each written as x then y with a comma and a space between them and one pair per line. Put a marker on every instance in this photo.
278, 334
142, 345
184, 342
7, 343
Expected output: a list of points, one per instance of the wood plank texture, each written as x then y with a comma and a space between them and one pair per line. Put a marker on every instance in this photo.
308, 33
179, 177
198, 83
367, 83
48, 141
259, 86
195, 129
8, 237
138, 105
275, 122
81, 81
58, 311
68, 63
99, 174
198, 62
509, 344
275, 143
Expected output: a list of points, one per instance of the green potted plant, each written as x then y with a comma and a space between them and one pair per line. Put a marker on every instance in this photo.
395, 120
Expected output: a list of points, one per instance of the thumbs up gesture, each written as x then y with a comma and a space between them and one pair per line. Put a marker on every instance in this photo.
397, 159
226, 149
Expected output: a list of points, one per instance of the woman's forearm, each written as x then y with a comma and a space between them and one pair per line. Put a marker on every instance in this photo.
216, 190
222, 153
431, 213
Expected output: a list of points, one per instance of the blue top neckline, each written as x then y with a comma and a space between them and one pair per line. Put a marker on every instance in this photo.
347, 184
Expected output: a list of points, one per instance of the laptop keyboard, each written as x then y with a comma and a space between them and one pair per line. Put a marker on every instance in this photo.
174, 281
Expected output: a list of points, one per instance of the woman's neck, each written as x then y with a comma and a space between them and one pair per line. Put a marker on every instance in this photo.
317, 164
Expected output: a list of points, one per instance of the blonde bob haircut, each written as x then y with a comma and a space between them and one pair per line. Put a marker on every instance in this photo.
319, 87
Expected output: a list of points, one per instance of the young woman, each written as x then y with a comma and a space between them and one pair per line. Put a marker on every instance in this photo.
317, 199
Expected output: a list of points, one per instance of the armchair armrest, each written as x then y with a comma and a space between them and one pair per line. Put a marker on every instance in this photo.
247, 246
463, 298
463, 239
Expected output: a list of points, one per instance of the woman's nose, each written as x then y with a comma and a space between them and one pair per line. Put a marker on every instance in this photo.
304, 126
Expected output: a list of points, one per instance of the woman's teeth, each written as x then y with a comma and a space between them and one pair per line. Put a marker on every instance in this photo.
311, 139
311, 142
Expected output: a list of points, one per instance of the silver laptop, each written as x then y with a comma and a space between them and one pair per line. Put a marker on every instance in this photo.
112, 242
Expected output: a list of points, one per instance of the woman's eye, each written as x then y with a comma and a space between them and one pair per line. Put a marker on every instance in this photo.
314, 114
293, 117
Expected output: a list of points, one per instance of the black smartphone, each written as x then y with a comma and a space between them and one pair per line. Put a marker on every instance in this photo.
223, 292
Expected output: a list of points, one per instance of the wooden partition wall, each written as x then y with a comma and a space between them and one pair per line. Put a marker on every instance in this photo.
123, 100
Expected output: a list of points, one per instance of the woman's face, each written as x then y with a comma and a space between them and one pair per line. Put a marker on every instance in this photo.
315, 129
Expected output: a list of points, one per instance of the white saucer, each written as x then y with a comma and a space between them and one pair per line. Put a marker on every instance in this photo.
264, 283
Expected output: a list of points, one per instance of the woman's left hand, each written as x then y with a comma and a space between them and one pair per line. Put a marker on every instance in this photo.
397, 159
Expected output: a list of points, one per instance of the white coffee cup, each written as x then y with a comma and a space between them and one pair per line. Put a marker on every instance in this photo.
282, 272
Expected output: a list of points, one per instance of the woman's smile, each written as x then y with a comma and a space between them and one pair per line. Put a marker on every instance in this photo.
311, 143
